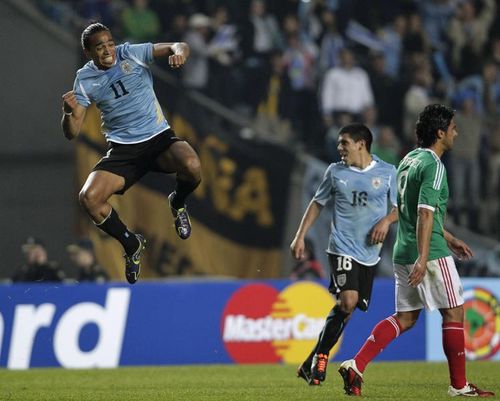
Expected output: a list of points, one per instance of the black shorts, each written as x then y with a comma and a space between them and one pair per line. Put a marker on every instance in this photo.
347, 274
133, 161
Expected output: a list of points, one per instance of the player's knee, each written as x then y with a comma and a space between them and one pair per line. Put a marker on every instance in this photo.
348, 306
407, 322
89, 198
192, 167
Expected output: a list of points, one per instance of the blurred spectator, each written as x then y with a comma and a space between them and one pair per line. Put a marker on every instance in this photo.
369, 117
436, 15
273, 115
331, 43
260, 36
83, 256
468, 33
416, 98
388, 92
140, 23
415, 39
486, 88
495, 51
386, 146
309, 268
195, 71
493, 182
346, 88
392, 38
464, 163
177, 29
224, 54
332, 154
37, 267
300, 61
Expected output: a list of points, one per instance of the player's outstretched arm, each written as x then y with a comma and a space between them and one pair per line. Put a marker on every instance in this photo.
311, 214
73, 115
177, 52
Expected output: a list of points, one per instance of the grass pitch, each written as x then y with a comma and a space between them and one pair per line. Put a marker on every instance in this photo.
383, 381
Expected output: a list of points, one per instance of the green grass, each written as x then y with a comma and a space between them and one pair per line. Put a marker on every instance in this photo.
383, 381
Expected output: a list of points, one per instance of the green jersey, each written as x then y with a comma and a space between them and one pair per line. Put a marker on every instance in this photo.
422, 182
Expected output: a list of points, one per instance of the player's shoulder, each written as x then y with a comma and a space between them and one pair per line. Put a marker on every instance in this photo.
127, 50
420, 158
383, 165
337, 166
122, 48
89, 70
429, 158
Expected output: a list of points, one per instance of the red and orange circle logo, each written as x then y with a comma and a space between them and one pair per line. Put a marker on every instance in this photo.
263, 325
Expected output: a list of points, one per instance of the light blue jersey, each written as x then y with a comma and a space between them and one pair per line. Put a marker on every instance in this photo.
361, 198
124, 94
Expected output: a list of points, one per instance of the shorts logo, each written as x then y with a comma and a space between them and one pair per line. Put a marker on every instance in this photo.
376, 182
261, 324
126, 67
341, 280
482, 323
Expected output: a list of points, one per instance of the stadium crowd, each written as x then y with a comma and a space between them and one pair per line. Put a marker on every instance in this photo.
304, 68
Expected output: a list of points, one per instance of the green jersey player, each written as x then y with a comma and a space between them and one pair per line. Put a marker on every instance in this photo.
425, 272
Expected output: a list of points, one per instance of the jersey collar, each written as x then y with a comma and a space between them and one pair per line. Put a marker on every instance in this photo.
367, 168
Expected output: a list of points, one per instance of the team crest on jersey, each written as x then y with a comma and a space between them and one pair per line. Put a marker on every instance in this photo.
341, 280
126, 67
376, 182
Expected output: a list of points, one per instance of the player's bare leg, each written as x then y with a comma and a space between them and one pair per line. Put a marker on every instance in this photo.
96, 191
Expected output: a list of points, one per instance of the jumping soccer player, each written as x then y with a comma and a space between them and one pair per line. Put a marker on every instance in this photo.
425, 272
118, 80
363, 188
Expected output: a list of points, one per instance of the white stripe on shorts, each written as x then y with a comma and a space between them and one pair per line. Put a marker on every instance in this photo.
448, 282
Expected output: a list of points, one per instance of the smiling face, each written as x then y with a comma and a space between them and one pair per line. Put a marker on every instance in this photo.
102, 50
349, 150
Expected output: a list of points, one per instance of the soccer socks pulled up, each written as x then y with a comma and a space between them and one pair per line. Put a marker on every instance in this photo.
382, 334
454, 349
113, 226
182, 190
334, 326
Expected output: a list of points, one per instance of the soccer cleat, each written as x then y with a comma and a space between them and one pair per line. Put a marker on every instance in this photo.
318, 369
352, 377
181, 217
133, 262
304, 372
470, 390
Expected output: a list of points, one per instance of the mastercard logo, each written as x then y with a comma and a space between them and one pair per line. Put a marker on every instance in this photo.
482, 323
263, 325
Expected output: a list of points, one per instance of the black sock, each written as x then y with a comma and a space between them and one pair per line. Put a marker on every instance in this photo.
308, 361
334, 326
182, 190
115, 227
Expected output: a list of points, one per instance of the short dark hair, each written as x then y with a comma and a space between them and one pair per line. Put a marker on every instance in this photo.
433, 118
89, 31
357, 132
